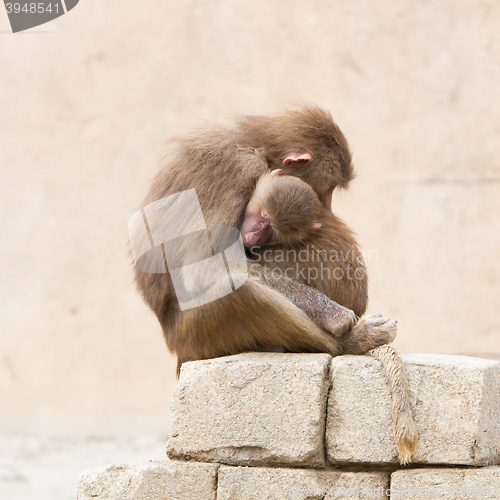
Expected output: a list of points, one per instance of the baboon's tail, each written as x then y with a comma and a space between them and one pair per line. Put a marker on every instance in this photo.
405, 430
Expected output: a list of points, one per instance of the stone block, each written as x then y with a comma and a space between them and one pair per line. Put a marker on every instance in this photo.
456, 403
251, 409
254, 483
168, 480
446, 484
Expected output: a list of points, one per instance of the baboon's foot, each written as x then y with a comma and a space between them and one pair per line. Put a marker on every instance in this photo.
370, 332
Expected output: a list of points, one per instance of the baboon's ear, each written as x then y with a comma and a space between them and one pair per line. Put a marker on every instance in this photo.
294, 159
316, 226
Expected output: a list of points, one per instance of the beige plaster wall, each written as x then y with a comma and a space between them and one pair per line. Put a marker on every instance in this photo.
85, 103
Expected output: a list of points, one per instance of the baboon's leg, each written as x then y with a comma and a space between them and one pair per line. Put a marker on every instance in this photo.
253, 317
325, 313
355, 336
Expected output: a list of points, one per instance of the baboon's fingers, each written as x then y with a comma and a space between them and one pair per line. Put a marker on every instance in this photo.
376, 324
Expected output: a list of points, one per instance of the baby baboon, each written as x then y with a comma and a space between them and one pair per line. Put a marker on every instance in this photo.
223, 166
284, 211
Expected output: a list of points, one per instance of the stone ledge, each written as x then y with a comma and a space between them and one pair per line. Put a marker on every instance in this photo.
165, 480
251, 409
264, 409
456, 403
253, 483
446, 484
